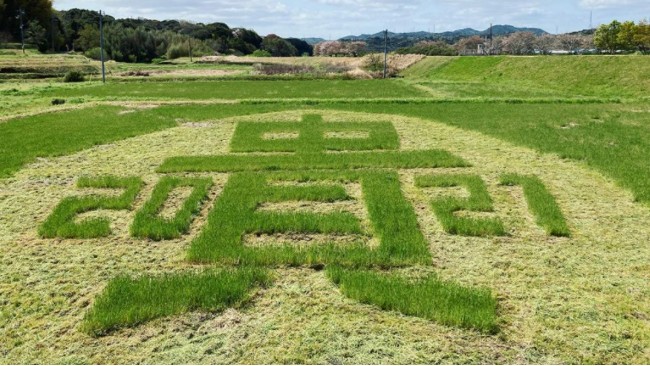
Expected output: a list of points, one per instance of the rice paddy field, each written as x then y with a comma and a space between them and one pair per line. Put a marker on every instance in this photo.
474, 210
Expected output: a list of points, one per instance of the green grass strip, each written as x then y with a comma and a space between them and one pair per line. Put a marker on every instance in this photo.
61, 223
445, 302
355, 160
446, 208
541, 203
149, 224
126, 301
235, 214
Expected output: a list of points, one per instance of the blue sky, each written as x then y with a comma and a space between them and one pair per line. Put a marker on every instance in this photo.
333, 19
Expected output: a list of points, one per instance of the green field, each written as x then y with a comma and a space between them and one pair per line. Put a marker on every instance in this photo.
474, 210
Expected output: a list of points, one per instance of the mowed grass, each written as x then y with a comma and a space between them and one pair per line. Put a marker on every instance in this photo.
541, 203
612, 138
248, 89
128, 301
603, 76
61, 223
60, 133
445, 302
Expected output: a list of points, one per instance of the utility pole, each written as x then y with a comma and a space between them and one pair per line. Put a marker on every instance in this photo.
591, 20
385, 52
101, 45
21, 14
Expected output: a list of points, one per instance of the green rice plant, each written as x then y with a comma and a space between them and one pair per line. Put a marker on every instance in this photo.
148, 223
445, 302
235, 214
311, 136
351, 160
61, 223
130, 301
540, 202
446, 208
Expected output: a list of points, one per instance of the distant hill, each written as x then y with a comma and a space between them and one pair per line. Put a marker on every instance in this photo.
397, 40
313, 41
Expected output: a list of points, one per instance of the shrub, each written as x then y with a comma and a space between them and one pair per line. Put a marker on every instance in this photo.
74, 77
261, 53
177, 50
96, 54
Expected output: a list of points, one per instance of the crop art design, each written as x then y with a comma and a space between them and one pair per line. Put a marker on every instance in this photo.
288, 180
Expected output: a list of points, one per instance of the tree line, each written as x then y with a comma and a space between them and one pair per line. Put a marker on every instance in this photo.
134, 40
146, 40
615, 37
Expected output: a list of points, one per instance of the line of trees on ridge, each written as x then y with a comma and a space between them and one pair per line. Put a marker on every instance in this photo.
134, 40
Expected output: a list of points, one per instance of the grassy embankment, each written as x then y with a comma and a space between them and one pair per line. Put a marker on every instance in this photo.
625, 77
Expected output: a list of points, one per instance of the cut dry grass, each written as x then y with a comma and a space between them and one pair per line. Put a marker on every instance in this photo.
541, 203
579, 299
59, 133
61, 223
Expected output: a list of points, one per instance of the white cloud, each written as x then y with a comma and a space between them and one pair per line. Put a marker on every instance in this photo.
602, 4
337, 18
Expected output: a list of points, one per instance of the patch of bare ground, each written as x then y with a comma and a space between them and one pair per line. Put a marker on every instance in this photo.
351, 66
582, 299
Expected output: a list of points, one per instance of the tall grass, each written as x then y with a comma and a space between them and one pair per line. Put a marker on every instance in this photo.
61, 223
446, 208
130, 301
249, 136
148, 223
351, 160
445, 302
541, 203
234, 214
